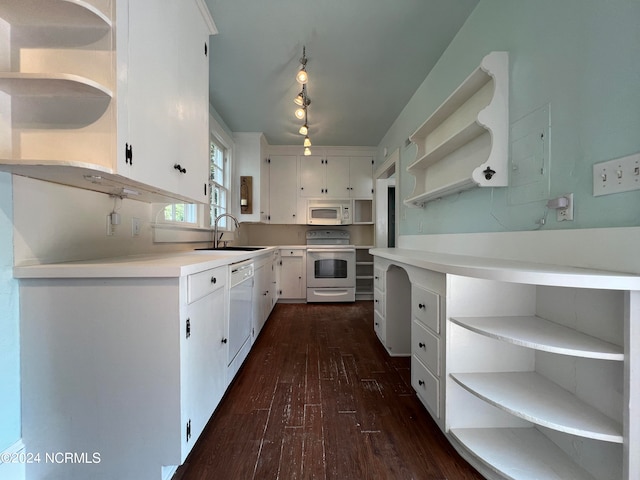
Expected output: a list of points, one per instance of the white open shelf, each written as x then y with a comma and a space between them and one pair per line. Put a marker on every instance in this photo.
539, 334
448, 160
51, 84
65, 13
519, 453
530, 396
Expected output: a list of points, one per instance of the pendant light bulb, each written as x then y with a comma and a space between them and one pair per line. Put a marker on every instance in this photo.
303, 129
307, 142
299, 100
300, 113
307, 151
302, 76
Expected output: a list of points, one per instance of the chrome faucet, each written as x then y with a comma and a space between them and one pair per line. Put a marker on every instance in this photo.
215, 227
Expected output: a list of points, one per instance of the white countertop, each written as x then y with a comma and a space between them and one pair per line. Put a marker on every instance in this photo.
152, 265
511, 270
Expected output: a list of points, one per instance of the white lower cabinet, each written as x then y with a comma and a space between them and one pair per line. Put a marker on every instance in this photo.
129, 369
533, 377
293, 274
264, 291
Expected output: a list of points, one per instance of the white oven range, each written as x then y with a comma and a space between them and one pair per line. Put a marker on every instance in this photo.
331, 266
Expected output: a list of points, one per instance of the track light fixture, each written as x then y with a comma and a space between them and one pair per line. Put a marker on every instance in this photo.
303, 102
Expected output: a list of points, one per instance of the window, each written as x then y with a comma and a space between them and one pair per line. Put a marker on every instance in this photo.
218, 182
181, 212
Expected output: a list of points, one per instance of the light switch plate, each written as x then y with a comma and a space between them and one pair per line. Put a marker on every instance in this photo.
618, 175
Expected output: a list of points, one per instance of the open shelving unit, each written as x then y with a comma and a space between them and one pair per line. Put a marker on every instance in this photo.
545, 376
364, 273
464, 143
60, 94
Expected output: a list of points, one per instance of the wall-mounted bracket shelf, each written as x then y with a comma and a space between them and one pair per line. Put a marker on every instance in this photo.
465, 142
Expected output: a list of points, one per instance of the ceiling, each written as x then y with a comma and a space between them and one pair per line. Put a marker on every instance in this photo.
366, 58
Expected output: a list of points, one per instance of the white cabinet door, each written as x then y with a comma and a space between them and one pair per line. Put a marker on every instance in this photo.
312, 176
165, 97
292, 282
204, 353
361, 177
191, 117
283, 189
337, 174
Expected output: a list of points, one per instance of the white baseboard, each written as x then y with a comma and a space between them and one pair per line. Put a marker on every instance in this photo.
614, 249
13, 470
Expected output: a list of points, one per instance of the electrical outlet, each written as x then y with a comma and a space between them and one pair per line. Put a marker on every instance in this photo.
566, 213
135, 227
618, 175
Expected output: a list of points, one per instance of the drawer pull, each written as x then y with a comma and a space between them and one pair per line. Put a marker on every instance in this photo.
421, 383
377, 324
422, 306
376, 277
422, 345
214, 280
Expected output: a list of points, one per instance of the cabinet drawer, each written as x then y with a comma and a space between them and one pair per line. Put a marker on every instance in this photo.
425, 307
291, 252
378, 279
202, 284
378, 301
379, 327
426, 386
426, 346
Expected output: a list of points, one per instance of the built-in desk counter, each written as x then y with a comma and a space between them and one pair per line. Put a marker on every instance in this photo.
531, 370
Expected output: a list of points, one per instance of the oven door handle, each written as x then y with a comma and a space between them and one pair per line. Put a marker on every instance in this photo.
330, 250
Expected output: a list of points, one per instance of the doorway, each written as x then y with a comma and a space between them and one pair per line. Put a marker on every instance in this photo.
386, 202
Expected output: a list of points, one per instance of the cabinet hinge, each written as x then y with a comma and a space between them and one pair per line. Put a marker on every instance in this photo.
188, 327
205, 49
128, 154
205, 189
188, 430
372, 161
268, 160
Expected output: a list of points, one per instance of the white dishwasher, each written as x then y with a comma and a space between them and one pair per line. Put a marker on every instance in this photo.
240, 315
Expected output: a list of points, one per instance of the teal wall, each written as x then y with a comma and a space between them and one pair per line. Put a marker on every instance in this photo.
9, 331
582, 58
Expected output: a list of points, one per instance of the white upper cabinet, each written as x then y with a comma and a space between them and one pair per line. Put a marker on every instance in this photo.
330, 176
107, 95
361, 177
283, 191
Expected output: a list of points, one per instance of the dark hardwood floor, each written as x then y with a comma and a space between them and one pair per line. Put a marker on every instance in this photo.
319, 398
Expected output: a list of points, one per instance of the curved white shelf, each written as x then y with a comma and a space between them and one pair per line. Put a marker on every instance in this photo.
532, 397
51, 85
452, 143
519, 453
539, 334
69, 13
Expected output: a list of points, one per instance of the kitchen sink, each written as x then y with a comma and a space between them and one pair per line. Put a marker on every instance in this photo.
237, 249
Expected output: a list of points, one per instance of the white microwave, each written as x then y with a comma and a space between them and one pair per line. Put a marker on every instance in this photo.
329, 212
